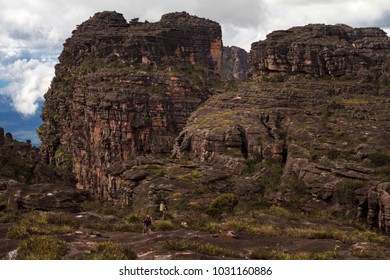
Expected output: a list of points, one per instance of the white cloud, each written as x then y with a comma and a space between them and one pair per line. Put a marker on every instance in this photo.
32, 32
357, 13
28, 81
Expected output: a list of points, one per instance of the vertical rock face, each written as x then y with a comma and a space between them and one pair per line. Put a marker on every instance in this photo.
235, 63
125, 89
2, 139
320, 50
304, 138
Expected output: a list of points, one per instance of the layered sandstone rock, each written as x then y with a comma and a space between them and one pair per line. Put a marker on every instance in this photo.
319, 50
301, 141
126, 89
235, 63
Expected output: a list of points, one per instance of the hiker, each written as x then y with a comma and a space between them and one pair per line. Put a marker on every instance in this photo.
147, 224
163, 209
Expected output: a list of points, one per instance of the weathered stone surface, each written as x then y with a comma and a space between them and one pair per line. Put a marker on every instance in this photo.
319, 50
235, 63
2, 138
312, 133
135, 175
126, 90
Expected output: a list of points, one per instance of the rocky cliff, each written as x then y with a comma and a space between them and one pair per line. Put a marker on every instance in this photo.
28, 183
235, 63
320, 50
319, 144
126, 95
126, 89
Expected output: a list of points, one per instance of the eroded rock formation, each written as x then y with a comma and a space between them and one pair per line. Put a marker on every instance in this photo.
28, 183
126, 89
126, 95
235, 63
320, 50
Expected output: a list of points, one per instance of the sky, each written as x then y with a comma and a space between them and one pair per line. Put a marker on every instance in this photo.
32, 33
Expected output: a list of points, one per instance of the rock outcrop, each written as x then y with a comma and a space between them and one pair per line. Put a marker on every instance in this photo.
43, 196
301, 142
235, 63
320, 50
2, 138
303, 138
27, 183
126, 89
126, 95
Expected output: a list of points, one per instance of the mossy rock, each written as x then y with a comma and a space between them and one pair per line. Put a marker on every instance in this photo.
63, 160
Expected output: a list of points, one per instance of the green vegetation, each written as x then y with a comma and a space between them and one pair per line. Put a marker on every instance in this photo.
42, 223
108, 250
333, 154
221, 119
379, 159
345, 192
278, 254
193, 176
42, 248
201, 248
354, 101
369, 252
383, 173
251, 166
275, 78
163, 225
63, 160
16, 168
223, 203
271, 180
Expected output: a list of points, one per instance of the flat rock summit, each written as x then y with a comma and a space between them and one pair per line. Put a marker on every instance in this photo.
282, 150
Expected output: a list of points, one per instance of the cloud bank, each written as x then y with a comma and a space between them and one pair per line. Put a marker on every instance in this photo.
28, 80
32, 32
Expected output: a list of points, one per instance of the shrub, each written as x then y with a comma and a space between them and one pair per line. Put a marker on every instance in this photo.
163, 225
40, 223
379, 159
335, 106
201, 248
108, 250
333, 154
277, 254
225, 202
370, 252
271, 179
61, 219
251, 166
383, 173
238, 225
42, 248
212, 227
262, 254
63, 160
134, 218
282, 212
345, 192
214, 212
